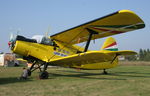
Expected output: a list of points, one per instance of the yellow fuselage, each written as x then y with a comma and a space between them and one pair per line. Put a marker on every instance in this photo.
48, 53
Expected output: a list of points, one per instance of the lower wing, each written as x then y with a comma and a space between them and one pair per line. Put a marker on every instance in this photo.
89, 58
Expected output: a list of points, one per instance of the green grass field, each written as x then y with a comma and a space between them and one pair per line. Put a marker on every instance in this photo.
121, 81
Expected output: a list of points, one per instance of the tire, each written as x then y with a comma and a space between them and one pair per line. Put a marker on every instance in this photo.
43, 75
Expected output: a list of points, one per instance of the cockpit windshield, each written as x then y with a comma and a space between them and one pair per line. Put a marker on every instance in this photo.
43, 40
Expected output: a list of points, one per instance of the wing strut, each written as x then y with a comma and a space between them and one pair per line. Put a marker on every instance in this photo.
91, 32
115, 58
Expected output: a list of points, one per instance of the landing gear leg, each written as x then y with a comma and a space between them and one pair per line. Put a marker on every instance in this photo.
105, 72
44, 73
29, 70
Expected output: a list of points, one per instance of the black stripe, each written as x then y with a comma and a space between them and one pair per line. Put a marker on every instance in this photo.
21, 38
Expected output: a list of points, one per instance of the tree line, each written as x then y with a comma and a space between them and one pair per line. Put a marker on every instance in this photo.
143, 55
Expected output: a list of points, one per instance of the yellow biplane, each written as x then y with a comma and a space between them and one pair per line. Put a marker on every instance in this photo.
61, 50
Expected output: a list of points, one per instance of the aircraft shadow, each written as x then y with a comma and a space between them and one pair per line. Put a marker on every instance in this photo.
85, 75
123, 75
8, 80
131, 74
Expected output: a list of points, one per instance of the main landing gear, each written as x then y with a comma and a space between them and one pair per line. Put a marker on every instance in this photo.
43, 73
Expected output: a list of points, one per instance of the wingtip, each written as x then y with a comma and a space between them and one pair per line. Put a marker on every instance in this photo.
125, 10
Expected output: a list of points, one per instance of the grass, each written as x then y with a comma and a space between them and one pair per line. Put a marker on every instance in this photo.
121, 81
135, 63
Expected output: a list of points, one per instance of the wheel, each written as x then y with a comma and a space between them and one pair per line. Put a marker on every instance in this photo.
43, 75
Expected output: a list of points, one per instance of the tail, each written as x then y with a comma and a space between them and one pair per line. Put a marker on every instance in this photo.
110, 44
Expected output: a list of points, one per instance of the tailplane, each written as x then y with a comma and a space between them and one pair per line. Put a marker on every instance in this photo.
110, 44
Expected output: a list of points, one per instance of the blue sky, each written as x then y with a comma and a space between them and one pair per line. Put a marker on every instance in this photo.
32, 17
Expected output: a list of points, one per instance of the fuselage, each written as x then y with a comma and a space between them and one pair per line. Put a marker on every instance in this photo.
48, 53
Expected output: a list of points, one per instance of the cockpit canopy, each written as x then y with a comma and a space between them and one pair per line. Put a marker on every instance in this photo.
43, 40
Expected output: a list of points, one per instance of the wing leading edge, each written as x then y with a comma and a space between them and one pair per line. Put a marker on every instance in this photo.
116, 23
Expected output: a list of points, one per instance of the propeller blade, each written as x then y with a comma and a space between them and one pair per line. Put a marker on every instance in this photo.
12, 40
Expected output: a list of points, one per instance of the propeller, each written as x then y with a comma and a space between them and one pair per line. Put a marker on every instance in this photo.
12, 39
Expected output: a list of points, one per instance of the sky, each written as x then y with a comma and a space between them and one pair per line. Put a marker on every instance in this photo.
34, 17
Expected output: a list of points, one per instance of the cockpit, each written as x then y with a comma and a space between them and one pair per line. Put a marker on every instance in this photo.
37, 39
43, 40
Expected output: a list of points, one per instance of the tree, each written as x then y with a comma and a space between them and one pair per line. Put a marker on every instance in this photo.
141, 55
131, 57
144, 55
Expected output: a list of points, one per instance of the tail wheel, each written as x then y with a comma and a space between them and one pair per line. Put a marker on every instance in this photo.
43, 75
105, 72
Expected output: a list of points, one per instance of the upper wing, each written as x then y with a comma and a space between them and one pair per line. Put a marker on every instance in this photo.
89, 58
115, 23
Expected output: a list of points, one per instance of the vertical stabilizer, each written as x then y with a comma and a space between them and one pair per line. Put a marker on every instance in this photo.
110, 44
